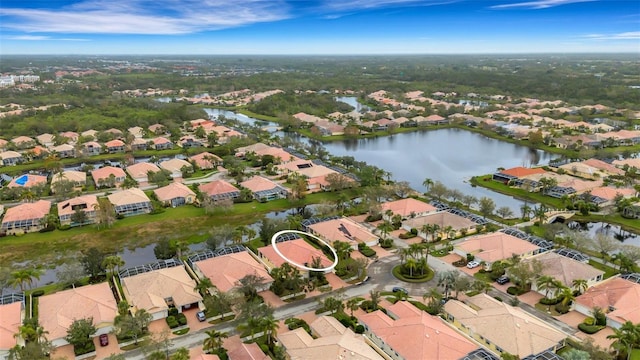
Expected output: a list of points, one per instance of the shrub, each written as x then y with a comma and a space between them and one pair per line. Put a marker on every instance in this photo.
294, 323
172, 322
359, 329
182, 319
547, 301
368, 252
414, 231
264, 348
562, 308
589, 321
460, 263
589, 329
498, 298
173, 311
514, 290
37, 293
372, 218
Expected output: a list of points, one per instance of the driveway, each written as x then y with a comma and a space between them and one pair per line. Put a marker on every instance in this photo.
104, 351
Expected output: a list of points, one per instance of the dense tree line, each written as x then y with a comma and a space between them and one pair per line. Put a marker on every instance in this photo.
290, 103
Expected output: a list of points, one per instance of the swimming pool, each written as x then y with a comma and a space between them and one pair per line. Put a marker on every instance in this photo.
22, 180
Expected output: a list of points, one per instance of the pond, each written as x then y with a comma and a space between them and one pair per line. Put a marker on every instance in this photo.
616, 232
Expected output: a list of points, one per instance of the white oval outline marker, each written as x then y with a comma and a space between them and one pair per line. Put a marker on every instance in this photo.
275, 247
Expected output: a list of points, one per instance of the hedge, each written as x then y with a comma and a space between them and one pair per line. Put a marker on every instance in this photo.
514, 290
547, 301
589, 329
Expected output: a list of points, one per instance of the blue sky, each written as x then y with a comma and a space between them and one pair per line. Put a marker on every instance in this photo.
318, 26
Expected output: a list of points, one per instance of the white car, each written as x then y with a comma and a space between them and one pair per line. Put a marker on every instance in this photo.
473, 264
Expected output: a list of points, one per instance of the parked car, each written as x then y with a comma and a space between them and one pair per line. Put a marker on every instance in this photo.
473, 264
402, 290
104, 339
502, 280
201, 316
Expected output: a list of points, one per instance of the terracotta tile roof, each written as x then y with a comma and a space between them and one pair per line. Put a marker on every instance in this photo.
21, 140
66, 207
26, 211
217, 187
251, 148
140, 170
343, 229
249, 351
10, 322
623, 295
346, 345
416, 335
225, 271
70, 175
298, 251
405, 207
609, 193
10, 155
606, 167
160, 141
114, 143
496, 246
520, 171
56, 312
442, 219
259, 183
175, 165
631, 162
204, 160
105, 172
128, 196
508, 327
565, 269
32, 180
148, 290
172, 191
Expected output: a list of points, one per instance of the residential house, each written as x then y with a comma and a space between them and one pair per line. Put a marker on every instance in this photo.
10, 158
91, 148
225, 271
11, 317
437, 223
343, 229
57, 311
249, 351
136, 131
175, 194
78, 178
139, 144
130, 202
219, 190
161, 143
108, 176
188, 142
296, 251
27, 181
503, 328
206, 161
519, 172
139, 171
157, 129
24, 218
407, 208
330, 340
619, 298
115, 146
90, 134
157, 290
3, 144
565, 270
46, 140
115, 133
64, 151
176, 166
606, 195
493, 247
84, 203
264, 189
408, 333
241, 152
23, 142
71, 136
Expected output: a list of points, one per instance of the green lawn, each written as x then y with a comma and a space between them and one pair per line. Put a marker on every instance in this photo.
635, 354
608, 270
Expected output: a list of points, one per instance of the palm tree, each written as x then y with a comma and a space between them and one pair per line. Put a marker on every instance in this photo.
203, 286
411, 264
547, 284
270, 327
111, 263
375, 299
385, 228
626, 338
566, 296
25, 277
352, 304
343, 249
481, 286
435, 229
540, 212
580, 285
426, 229
525, 210
405, 254
427, 183
214, 339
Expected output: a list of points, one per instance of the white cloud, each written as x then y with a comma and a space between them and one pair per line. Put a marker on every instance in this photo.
41, 38
144, 16
538, 4
340, 5
630, 35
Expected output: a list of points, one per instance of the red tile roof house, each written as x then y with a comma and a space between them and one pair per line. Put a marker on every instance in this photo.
245, 352
414, 334
225, 271
264, 189
85, 203
139, 171
46, 140
174, 166
56, 312
157, 290
27, 181
108, 176
343, 229
296, 250
10, 158
507, 175
130, 202
161, 143
23, 142
443, 219
139, 144
407, 208
115, 146
24, 218
70, 135
617, 297
565, 270
497, 246
11, 316
91, 148
219, 190
64, 151
175, 194
206, 161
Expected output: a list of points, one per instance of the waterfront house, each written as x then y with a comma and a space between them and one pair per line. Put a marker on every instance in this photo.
115, 146
188, 141
130, 202
10, 158
23, 142
57, 311
343, 229
206, 161
91, 148
407, 208
161, 143
139, 144
64, 151
11, 318
296, 250
442, 219
618, 297
175, 194
108, 176
503, 328
156, 289
497, 246
46, 140
24, 218
219, 190
84, 203
225, 271
565, 270
264, 189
